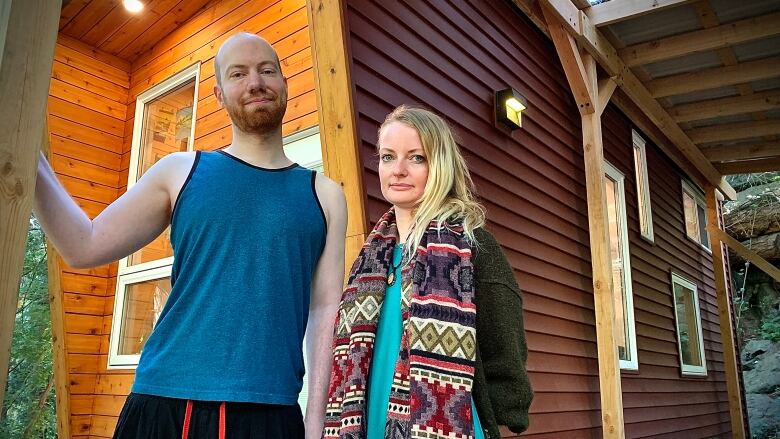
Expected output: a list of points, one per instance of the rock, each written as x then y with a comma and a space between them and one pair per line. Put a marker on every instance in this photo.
764, 378
754, 348
764, 413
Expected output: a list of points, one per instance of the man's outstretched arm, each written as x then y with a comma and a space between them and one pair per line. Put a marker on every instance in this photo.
129, 223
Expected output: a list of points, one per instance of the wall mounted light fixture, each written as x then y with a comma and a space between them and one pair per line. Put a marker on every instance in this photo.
509, 108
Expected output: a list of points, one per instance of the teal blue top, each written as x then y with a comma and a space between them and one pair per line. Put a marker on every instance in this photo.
386, 348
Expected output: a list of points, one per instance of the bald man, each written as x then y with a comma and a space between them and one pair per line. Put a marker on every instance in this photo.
258, 261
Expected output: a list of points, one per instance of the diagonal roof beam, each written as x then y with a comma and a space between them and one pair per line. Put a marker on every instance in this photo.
584, 32
616, 11
725, 35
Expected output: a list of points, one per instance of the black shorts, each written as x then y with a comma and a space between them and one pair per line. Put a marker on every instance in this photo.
156, 417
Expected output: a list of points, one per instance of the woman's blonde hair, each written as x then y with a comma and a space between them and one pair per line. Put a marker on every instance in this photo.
449, 191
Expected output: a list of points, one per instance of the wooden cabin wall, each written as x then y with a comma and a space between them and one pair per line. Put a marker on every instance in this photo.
451, 57
86, 118
657, 400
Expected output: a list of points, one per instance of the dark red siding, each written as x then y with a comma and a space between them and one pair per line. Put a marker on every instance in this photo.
451, 57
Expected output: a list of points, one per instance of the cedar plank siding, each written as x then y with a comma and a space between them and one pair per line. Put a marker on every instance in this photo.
91, 116
451, 57
86, 112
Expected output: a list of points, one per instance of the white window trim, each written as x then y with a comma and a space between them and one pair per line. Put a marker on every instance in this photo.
618, 178
302, 156
698, 198
686, 368
150, 270
117, 361
643, 187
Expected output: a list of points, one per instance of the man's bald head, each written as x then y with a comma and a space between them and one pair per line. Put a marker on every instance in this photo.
242, 40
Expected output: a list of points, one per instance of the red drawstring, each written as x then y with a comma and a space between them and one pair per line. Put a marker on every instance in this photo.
222, 421
188, 415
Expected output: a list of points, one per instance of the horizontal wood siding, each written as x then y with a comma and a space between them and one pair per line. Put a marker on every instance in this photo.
86, 113
658, 400
452, 57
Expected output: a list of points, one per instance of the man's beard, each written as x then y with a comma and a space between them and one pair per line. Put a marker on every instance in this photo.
261, 120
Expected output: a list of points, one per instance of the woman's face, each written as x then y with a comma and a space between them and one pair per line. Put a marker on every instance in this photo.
403, 166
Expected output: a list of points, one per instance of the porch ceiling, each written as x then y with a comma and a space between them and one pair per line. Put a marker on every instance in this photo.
108, 26
713, 65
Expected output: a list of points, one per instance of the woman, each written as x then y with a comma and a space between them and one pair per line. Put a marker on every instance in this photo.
429, 340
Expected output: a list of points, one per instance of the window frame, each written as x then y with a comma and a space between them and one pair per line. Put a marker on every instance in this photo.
689, 370
159, 268
697, 195
611, 172
642, 187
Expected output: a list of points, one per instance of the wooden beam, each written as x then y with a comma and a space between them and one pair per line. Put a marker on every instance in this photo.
596, 44
658, 137
578, 24
581, 4
742, 151
571, 59
724, 314
638, 93
735, 131
606, 89
607, 13
746, 253
25, 72
610, 390
764, 101
57, 305
749, 166
582, 75
725, 35
714, 78
336, 109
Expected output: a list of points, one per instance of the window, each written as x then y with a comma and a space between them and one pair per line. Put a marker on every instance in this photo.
642, 187
164, 118
621, 267
689, 338
695, 211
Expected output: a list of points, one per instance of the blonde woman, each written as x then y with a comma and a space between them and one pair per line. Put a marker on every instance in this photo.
429, 340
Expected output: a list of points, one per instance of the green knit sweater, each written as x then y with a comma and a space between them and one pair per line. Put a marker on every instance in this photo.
502, 391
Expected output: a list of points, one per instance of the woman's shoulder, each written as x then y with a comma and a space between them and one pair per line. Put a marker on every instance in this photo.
490, 262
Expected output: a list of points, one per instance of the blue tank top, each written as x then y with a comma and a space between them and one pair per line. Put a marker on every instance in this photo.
246, 242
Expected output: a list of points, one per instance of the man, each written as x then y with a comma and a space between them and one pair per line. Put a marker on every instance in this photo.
259, 245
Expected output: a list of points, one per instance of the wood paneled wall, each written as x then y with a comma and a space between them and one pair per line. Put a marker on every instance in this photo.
91, 116
87, 109
451, 57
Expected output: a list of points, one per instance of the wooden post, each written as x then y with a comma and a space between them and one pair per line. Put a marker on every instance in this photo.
338, 129
724, 313
580, 69
25, 71
57, 309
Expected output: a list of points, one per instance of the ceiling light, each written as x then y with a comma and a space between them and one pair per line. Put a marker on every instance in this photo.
133, 6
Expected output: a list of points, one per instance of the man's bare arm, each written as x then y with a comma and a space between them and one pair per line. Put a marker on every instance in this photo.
327, 287
129, 223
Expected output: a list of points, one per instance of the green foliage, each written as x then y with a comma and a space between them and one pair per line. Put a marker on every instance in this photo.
770, 329
29, 410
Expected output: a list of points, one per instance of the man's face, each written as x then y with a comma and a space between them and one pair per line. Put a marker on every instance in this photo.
253, 91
